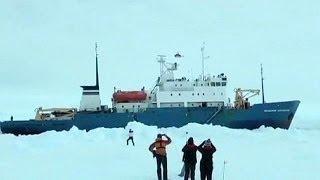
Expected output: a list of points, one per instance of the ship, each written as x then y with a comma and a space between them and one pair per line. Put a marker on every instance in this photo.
171, 102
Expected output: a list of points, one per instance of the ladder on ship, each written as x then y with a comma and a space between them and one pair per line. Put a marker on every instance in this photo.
214, 115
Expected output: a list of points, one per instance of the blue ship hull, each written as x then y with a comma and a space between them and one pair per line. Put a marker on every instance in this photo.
276, 115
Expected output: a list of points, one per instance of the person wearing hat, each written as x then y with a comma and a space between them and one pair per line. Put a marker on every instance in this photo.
206, 148
158, 149
189, 159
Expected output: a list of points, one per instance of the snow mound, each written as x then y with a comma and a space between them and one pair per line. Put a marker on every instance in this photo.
264, 153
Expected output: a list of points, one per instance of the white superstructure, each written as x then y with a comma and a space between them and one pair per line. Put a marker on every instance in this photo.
204, 91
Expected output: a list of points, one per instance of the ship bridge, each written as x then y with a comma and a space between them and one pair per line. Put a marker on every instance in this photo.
204, 91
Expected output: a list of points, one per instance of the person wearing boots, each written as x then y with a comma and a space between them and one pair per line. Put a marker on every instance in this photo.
189, 159
130, 137
158, 148
206, 148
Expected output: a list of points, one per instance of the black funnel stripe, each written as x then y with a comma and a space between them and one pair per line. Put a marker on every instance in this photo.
90, 93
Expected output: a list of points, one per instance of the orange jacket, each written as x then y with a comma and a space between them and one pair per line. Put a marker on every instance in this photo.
160, 146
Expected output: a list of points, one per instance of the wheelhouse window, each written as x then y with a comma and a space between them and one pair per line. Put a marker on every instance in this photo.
218, 84
213, 84
223, 83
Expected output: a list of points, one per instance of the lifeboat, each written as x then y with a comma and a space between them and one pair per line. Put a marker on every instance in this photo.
129, 96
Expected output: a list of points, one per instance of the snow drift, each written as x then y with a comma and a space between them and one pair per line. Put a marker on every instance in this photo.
264, 153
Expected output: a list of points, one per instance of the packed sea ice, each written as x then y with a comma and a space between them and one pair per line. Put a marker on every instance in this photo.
264, 153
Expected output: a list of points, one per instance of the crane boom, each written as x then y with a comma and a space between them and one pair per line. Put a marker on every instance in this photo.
242, 97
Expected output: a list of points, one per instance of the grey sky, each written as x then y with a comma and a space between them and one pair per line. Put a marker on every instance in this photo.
47, 48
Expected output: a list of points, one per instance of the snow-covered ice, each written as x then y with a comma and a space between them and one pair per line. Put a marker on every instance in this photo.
264, 153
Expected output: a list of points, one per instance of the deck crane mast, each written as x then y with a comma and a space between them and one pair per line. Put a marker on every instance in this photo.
242, 97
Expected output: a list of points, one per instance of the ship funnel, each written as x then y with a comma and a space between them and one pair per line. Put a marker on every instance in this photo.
90, 100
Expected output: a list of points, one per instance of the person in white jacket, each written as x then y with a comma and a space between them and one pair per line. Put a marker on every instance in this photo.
130, 137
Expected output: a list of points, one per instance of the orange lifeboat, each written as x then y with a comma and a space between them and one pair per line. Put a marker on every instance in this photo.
129, 96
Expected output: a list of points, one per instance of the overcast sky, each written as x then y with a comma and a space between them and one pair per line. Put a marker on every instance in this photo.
47, 47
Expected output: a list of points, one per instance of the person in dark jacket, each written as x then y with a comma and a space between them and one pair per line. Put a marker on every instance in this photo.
158, 148
189, 159
206, 148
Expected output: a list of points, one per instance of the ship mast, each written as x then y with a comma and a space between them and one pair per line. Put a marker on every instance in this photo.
203, 57
162, 64
262, 79
97, 73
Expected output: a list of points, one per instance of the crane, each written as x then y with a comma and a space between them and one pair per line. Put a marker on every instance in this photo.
54, 113
242, 97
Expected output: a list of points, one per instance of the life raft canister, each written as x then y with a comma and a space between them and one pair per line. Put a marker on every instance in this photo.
129, 96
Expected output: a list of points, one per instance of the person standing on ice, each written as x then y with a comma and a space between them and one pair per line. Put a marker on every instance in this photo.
130, 137
206, 148
181, 174
158, 148
189, 159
